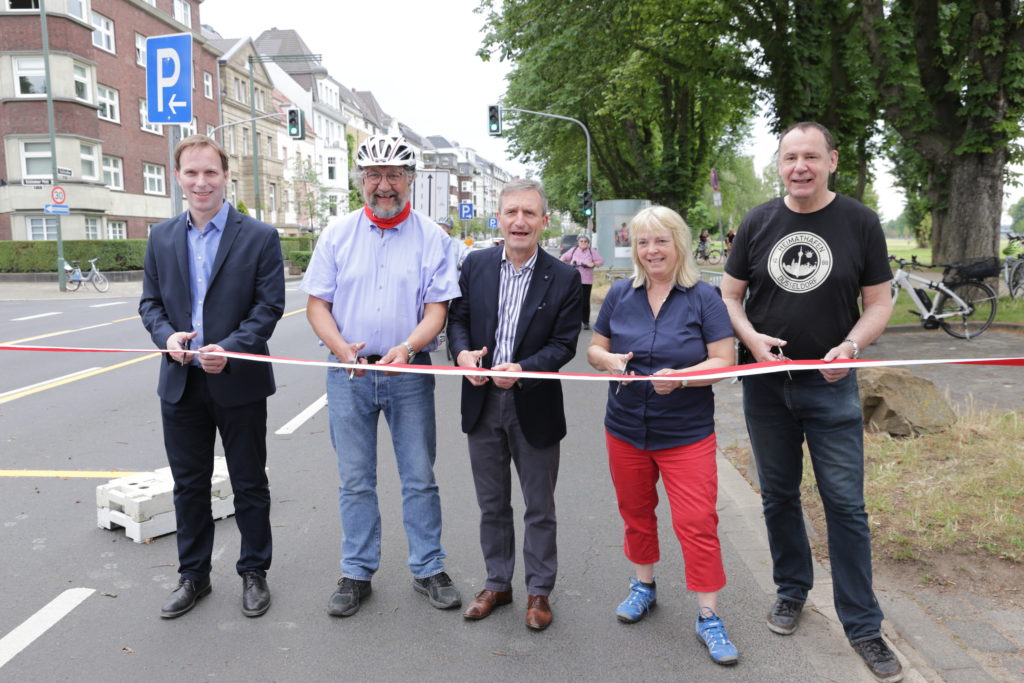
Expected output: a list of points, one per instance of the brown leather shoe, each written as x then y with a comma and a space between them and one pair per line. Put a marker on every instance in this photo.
485, 601
538, 612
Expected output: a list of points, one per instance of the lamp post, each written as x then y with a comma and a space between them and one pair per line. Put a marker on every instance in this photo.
315, 71
61, 276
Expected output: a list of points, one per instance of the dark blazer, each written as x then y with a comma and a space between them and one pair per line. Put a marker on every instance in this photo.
549, 325
244, 301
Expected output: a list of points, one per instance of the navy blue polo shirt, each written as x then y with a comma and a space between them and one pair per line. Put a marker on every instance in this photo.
690, 319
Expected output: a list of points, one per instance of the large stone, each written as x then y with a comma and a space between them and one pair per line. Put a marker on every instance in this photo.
896, 401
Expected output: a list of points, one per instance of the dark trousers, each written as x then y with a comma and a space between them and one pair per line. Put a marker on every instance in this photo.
190, 429
495, 444
585, 302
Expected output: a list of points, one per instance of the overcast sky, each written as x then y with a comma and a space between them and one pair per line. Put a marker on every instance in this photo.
419, 59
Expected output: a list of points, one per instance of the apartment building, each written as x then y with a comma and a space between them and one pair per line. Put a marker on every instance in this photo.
112, 162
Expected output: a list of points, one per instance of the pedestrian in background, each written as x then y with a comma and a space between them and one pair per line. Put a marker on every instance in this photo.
585, 259
524, 304
459, 246
806, 258
213, 281
665, 320
379, 283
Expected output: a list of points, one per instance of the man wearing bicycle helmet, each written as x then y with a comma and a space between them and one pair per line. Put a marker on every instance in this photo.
379, 283
460, 248
807, 258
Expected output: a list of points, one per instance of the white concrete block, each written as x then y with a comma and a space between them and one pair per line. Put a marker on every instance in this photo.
158, 525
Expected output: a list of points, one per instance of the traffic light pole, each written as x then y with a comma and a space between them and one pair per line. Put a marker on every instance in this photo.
590, 222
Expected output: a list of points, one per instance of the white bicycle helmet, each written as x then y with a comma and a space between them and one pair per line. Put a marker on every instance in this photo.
385, 150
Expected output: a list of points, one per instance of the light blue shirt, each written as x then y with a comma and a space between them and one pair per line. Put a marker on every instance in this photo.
202, 251
378, 281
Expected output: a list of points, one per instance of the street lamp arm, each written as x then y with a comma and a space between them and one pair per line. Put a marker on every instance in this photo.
235, 123
564, 118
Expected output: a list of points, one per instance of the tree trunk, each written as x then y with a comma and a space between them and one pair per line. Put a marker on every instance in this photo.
968, 227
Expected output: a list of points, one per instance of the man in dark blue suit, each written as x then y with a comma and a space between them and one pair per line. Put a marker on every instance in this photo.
524, 304
214, 282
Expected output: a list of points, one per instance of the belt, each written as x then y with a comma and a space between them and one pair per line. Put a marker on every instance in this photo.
371, 359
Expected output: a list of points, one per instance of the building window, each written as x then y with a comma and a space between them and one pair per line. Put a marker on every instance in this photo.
154, 177
89, 161
208, 85
182, 12
332, 164
42, 228
76, 8
240, 91
149, 229
30, 74
332, 205
103, 32
110, 109
190, 128
22, 5
259, 99
270, 147
140, 50
117, 230
36, 159
82, 90
92, 228
211, 131
234, 193
272, 198
245, 142
113, 173
144, 123
229, 139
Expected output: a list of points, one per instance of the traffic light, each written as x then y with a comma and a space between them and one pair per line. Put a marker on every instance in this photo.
296, 123
493, 119
587, 203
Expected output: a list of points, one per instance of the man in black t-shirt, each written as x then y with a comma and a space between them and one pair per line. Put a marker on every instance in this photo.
805, 259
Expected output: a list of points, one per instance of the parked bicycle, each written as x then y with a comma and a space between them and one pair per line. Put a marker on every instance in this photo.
963, 307
76, 278
1013, 270
707, 255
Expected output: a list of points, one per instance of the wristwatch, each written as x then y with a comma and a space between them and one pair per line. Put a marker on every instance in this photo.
855, 345
412, 353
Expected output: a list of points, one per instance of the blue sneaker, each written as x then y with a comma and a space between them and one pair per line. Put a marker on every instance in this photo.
711, 631
638, 603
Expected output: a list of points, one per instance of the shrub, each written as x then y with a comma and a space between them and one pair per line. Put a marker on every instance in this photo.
41, 256
300, 259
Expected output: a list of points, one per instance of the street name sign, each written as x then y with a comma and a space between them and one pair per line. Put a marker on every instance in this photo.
169, 78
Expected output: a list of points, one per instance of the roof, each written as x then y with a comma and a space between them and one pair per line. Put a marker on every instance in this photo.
372, 109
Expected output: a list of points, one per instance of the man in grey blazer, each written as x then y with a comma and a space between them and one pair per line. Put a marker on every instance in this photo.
519, 310
213, 281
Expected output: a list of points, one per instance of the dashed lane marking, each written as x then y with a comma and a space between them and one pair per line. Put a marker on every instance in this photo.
40, 622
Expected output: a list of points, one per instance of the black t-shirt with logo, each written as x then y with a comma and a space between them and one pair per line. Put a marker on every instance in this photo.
804, 271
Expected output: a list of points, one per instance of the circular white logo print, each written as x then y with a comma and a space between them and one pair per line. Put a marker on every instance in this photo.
800, 262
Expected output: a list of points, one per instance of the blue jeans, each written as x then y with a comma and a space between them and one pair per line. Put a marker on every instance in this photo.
780, 412
407, 401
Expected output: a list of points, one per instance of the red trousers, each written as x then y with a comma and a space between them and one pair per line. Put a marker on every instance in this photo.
690, 478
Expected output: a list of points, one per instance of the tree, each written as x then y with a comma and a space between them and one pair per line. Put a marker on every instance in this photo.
312, 205
1017, 217
653, 81
951, 80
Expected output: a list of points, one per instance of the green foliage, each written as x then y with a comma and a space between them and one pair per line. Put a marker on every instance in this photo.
301, 258
242, 208
653, 81
741, 188
41, 256
311, 199
289, 245
1017, 217
699, 218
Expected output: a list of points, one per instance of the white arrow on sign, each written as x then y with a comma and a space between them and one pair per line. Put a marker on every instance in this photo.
173, 104
162, 81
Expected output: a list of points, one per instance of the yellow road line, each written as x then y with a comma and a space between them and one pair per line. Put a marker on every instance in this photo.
68, 380
301, 310
67, 474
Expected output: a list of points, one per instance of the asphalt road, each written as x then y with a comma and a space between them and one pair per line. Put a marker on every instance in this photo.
109, 420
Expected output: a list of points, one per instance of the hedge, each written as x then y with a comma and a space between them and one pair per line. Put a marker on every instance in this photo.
40, 256
301, 259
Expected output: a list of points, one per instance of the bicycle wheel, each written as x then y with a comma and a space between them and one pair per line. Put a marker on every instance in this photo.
100, 281
981, 301
1017, 280
73, 285
698, 256
714, 256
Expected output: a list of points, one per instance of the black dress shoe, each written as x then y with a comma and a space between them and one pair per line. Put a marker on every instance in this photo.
184, 597
255, 594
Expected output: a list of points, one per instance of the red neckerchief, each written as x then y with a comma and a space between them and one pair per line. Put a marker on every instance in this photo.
385, 223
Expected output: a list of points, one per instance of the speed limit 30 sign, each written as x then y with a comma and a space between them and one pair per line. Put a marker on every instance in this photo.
58, 195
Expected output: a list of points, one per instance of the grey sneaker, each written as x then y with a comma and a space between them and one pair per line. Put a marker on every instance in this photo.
345, 601
884, 665
784, 616
439, 591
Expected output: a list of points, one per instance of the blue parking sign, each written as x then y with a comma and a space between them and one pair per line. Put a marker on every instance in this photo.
169, 78
492, 223
465, 211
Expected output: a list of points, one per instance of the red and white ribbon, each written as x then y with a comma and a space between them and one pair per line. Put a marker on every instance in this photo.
722, 373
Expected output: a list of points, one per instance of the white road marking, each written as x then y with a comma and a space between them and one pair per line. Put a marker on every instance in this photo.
33, 317
40, 622
48, 381
297, 421
110, 303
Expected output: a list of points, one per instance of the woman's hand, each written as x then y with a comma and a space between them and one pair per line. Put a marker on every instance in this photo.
665, 386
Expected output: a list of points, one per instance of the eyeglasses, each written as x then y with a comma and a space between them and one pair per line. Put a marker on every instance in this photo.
374, 177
